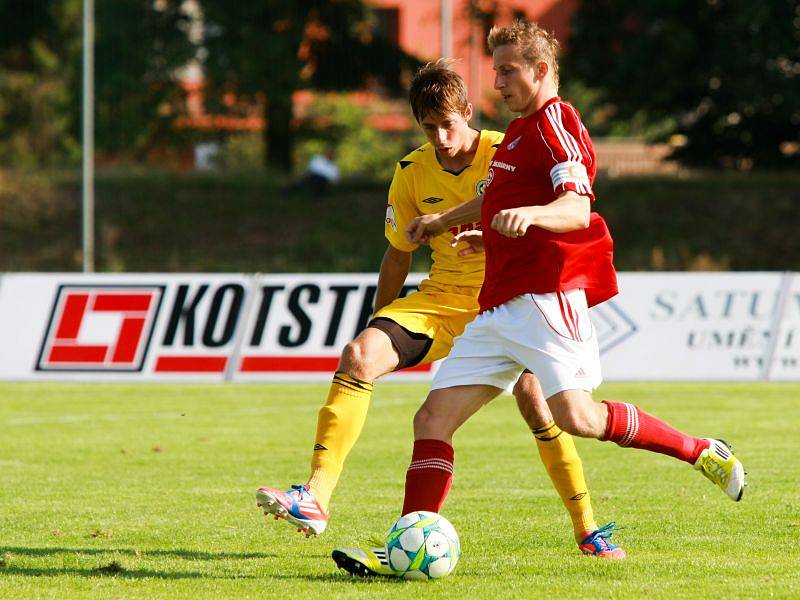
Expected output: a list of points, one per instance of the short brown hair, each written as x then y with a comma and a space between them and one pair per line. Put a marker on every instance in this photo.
535, 44
436, 88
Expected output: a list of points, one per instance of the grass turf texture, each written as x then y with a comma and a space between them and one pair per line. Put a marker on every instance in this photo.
147, 491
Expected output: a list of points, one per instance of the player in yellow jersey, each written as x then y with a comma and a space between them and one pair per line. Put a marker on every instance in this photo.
447, 171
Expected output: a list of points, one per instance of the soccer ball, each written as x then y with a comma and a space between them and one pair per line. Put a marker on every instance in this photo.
422, 545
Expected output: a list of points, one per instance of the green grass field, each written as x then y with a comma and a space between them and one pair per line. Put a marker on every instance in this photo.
147, 491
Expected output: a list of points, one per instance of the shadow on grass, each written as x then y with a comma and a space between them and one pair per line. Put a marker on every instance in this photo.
341, 577
178, 553
102, 572
113, 568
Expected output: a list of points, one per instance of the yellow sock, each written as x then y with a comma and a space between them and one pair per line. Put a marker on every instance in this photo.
560, 458
339, 424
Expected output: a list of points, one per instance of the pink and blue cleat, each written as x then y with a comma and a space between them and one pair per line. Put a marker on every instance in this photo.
596, 543
297, 505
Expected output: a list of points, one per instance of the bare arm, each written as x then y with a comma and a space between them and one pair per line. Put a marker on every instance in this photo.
423, 228
569, 212
394, 270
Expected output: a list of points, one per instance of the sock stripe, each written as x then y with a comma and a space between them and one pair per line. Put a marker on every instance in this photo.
625, 440
351, 386
431, 463
544, 428
632, 425
550, 438
347, 386
344, 378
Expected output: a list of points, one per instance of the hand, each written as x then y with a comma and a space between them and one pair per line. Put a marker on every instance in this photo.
513, 222
422, 229
473, 237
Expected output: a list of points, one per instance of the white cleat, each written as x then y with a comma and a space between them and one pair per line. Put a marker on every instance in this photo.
719, 465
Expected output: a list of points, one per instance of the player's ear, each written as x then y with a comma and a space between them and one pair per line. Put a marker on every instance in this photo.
542, 68
468, 112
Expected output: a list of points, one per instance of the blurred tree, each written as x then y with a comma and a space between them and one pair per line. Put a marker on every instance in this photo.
276, 47
39, 50
725, 73
139, 46
361, 150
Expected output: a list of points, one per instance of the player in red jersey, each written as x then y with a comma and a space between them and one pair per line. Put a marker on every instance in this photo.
548, 259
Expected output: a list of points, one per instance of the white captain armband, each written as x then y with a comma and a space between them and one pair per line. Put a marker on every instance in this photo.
573, 172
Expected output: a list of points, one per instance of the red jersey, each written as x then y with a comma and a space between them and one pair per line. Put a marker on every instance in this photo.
542, 156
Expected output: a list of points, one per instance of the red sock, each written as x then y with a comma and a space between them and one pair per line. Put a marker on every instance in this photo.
429, 476
628, 425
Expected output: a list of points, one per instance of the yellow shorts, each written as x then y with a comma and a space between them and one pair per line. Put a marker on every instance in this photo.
439, 311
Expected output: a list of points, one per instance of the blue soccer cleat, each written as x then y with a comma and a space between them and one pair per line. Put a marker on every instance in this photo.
596, 543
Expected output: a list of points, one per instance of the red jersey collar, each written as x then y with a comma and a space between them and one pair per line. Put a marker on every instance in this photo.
535, 115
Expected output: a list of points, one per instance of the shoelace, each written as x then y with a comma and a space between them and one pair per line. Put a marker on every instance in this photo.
301, 491
599, 536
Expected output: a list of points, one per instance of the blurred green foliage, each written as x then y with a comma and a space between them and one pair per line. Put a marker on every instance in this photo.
275, 47
39, 75
719, 78
361, 150
139, 47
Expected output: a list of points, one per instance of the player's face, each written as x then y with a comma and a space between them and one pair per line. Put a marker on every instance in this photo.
448, 133
515, 79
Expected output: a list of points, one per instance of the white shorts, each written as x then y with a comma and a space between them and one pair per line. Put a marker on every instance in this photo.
549, 334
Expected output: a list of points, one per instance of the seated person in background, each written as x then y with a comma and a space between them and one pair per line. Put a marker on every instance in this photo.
321, 173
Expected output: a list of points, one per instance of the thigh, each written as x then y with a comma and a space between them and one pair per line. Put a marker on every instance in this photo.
371, 354
438, 312
410, 347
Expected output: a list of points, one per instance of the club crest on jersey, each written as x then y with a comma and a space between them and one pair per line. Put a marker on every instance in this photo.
480, 187
514, 143
390, 220
489, 179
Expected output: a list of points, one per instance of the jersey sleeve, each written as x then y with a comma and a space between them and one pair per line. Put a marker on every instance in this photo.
568, 155
400, 211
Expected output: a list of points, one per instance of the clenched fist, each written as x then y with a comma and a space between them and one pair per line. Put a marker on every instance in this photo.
513, 222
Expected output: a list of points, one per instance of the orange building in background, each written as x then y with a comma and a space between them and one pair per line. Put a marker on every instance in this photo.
416, 26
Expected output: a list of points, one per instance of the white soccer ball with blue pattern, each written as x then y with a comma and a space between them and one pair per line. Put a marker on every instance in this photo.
422, 545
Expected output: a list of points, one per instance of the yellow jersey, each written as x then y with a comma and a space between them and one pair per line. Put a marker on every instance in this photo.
421, 186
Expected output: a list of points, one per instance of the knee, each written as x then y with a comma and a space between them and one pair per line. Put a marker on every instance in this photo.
355, 362
428, 424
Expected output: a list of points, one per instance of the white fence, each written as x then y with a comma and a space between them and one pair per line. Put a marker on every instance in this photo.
240, 327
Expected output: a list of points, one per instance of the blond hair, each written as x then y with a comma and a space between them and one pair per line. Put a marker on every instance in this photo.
534, 43
436, 88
